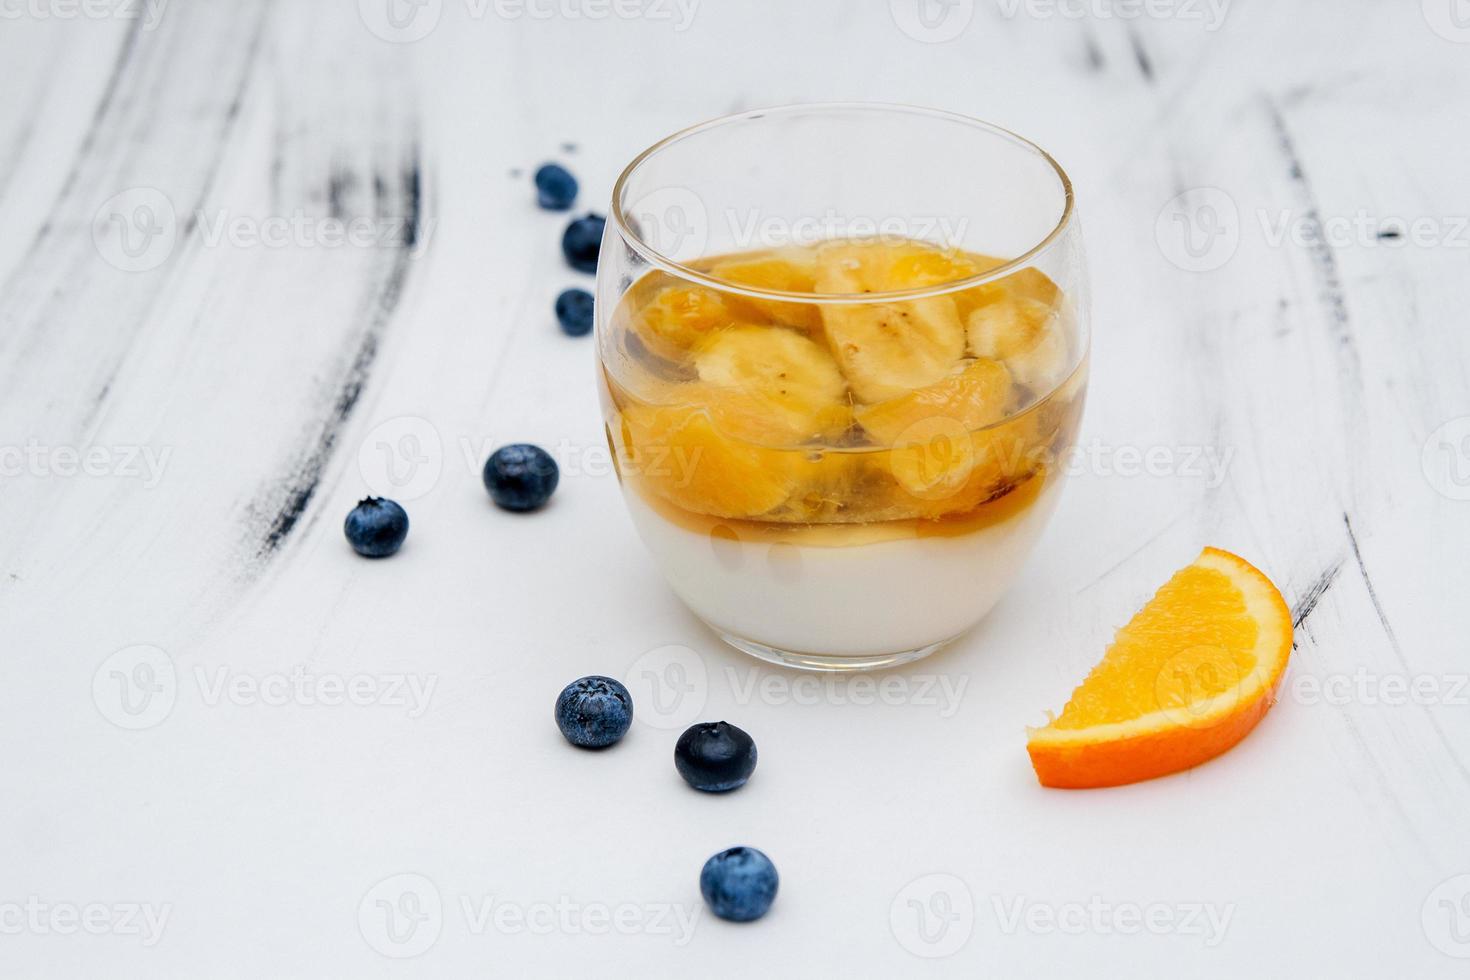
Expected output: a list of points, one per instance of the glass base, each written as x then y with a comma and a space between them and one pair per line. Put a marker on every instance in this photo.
828, 662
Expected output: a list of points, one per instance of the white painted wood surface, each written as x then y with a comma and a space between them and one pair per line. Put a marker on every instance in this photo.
261, 380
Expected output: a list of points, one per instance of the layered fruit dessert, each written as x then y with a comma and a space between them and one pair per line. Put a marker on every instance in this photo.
836, 458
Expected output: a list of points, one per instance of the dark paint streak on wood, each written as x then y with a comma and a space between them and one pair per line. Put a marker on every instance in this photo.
1393, 643
1372, 592
304, 481
99, 114
339, 184
1095, 59
1324, 260
211, 174
1145, 64
1303, 607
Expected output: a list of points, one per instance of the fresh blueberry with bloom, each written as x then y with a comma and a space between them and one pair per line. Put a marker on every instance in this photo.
714, 756
581, 242
556, 188
739, 884
594, 712
520, 477
376, 527
574, 312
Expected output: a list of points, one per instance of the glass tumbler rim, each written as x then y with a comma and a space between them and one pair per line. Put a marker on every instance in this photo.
674, 267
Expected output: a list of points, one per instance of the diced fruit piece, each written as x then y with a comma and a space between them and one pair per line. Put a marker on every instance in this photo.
787, 271
1024, 333
1029, 283
680, 318
715, 757
594, 712
521, 477
884, 349
973, 397
932, 431
679, 454
914, 267
882, 267
739, 884
1187, 678
779, 387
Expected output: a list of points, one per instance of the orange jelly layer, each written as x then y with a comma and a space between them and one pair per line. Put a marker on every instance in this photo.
850, 421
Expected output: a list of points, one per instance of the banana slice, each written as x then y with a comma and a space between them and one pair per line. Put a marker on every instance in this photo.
679, 318
1026, 334
788, 270
775, 386
886, 349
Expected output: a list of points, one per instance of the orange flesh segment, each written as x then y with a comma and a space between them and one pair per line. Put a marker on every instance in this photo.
1185, 680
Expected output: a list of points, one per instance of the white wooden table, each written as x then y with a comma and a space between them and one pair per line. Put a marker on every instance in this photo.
236, 750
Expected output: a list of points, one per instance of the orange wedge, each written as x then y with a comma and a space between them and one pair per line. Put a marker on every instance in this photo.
1187, 678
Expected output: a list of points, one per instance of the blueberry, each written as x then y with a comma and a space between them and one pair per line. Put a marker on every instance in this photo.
581, 242
574, 312
714, 756
739, 884
520, 477
556, 188
594, 712
376, 527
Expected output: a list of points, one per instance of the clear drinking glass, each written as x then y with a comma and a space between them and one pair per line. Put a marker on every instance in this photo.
843, 351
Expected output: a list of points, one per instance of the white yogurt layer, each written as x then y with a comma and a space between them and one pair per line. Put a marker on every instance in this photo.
860, 600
